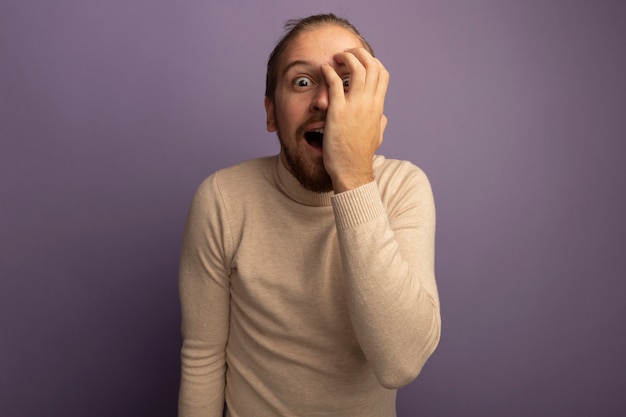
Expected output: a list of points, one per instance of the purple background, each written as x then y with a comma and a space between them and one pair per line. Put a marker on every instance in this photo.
112, 112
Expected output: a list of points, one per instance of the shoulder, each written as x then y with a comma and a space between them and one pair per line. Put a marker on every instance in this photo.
396, 173
250, 171
402, 186
227, 193
240, 178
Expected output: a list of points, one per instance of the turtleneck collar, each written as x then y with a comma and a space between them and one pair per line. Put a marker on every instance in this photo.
291, 187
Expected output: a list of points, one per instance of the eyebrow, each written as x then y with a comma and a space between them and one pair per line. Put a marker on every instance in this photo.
294, 64
301, 62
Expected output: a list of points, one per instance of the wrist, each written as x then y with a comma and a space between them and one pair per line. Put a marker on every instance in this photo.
350, 182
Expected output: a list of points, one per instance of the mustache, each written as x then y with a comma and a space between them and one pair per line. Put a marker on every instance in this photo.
319, 117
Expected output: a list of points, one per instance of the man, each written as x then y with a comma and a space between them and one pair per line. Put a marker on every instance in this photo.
307, 279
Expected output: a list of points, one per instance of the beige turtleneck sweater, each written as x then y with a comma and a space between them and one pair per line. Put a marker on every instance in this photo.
297, 303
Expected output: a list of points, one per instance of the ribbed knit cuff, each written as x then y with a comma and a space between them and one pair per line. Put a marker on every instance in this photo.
357, 206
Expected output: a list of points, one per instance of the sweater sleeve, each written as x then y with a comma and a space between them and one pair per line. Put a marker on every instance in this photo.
387, 254
204, 295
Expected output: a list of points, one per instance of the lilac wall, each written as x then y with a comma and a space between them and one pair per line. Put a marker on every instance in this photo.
111, 112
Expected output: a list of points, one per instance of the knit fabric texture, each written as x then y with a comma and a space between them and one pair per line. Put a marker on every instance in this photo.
296, 303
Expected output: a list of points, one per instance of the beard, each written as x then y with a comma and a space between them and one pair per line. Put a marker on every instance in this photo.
311, 174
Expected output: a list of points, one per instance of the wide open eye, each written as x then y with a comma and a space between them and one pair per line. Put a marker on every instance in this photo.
302, 82
346, 82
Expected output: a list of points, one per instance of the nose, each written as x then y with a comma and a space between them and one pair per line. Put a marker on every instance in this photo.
320, 101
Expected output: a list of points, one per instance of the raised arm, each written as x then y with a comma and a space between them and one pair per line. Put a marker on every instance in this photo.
387, 248
388, 268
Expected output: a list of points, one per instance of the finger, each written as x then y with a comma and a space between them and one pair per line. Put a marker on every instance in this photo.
373, 67
358, 73
335, 84
376, 77
383, 80
383, 126
380, 82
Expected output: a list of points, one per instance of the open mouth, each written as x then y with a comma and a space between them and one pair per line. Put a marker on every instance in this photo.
315, 138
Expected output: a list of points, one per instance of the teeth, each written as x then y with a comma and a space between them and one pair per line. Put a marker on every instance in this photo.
319, 130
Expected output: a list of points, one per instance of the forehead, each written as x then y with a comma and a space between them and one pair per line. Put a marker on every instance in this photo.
319, 45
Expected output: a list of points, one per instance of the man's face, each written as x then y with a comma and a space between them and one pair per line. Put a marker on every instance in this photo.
298, 111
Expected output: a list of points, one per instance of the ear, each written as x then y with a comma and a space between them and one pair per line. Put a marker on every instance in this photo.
269, 110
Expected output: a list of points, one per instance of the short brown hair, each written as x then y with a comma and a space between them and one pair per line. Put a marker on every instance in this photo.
293, 28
